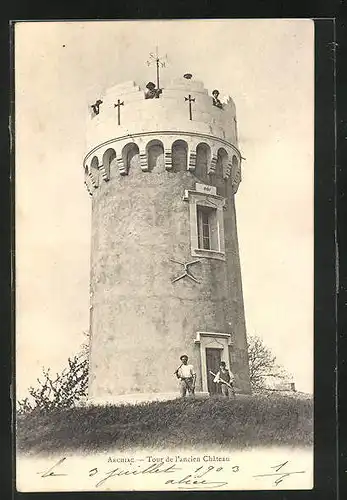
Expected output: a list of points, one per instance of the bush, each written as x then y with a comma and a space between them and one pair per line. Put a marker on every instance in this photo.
63, 391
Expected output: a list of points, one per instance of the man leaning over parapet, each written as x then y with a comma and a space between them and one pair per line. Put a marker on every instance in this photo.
152, 92
186, 376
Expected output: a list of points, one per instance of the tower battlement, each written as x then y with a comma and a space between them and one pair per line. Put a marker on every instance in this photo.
129, 129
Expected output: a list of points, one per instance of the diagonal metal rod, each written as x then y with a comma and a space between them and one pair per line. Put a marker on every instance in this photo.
192, 277
179, 277
192, 262
177, 262
183, 276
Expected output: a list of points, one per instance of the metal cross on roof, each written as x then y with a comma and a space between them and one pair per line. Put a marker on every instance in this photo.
158, 61
190, 100
118, 105
186, 270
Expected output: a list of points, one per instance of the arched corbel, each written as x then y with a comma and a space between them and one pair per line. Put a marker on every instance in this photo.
236, 174
121, 166
227, 171
143, 160
191, 158
88, 188
168, 158
211, 168
167, 144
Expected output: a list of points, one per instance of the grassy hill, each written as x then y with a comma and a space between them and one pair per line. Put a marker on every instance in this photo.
194, 423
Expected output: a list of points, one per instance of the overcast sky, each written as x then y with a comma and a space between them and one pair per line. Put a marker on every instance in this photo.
266, 66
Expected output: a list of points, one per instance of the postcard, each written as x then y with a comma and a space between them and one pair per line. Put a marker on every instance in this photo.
164, 255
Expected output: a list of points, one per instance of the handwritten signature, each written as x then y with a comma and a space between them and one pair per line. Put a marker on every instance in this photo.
200, 477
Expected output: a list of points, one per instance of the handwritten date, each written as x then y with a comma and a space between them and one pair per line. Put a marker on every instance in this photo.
203, 477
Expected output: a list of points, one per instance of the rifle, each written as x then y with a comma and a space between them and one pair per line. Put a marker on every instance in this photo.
223, 381
176, 371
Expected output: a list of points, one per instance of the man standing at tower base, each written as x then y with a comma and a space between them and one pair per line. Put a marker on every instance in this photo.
225, 378
187, 377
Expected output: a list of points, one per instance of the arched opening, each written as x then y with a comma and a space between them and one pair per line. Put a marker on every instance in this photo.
203, 158
179, 156
222, 163
234, 163
131, 156
94, 168
108, 162
220, 169
155, 155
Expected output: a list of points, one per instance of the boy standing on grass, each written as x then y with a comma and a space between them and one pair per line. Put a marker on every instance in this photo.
186, 376
226, 379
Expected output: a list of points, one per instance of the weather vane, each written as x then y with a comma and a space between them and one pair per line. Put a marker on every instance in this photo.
160, 62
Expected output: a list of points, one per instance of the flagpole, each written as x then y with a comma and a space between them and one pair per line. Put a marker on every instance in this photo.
158, 62
158, 74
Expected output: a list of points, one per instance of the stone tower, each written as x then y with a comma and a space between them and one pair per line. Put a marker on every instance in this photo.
165, 271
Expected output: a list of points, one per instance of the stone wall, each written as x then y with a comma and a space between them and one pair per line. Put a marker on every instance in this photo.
141, 322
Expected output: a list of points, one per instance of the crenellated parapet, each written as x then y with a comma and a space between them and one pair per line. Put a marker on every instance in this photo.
128, 131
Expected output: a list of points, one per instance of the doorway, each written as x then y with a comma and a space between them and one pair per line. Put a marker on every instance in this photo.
213, 359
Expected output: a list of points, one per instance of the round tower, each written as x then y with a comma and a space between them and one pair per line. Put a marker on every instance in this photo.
165, 280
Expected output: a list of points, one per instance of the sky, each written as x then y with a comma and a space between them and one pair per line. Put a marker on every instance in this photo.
267, 67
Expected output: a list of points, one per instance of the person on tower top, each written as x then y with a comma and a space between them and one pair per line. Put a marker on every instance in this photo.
215, 99
186, 376
152, 92
96, 107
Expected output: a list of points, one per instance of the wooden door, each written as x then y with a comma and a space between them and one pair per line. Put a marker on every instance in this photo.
213, 359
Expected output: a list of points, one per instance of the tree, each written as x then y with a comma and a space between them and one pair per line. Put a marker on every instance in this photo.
262, 364
64, 390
